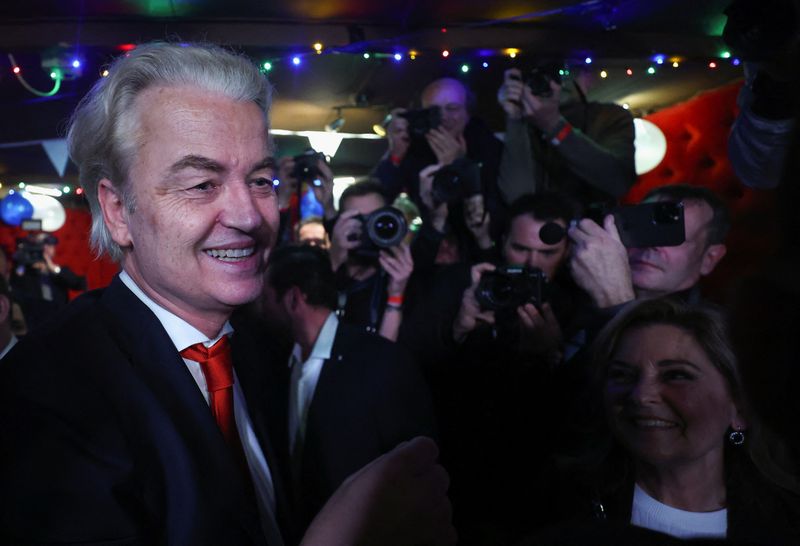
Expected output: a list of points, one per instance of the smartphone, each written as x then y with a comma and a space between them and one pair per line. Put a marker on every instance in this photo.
651, 224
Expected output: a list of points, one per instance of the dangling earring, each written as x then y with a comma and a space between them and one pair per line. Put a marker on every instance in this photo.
736, 437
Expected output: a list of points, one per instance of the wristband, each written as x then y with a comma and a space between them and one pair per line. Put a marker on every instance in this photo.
393, 307
395, 159
562, 133
394, 300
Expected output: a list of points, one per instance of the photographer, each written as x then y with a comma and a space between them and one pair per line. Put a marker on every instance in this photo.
441, 133
490, 366
559, 141
312, 169
372, 284
39, 284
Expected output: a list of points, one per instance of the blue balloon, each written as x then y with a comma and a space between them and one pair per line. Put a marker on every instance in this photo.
14, 209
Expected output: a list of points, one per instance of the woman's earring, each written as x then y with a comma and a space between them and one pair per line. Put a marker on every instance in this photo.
736, 437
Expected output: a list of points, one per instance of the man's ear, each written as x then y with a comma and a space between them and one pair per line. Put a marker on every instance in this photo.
711, 257
295, 299
115, 213
5, 309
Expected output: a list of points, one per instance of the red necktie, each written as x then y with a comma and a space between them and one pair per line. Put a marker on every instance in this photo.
215, 361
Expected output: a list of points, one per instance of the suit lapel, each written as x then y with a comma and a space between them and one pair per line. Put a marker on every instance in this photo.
140, 335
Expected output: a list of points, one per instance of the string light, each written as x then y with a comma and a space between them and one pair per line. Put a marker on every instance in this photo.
736, 62
725, 54
79, 191
603, 74
659, 59
318, 47
712, 64
296, 60
511, 52
366, 55
76, 63
651, 70
485, 64
412, 54
104, 73
445, 53
66, 189
626, 106
267, 66
16, 70
464, 68
588, 60
398, 57
675, 64
629, 72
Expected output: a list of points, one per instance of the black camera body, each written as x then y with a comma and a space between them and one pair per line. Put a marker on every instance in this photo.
539, 77
28, 252
510, 286
422, 120
458, 180
383, 228
305, 166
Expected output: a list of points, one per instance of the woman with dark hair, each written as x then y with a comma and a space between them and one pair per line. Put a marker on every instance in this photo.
684, 456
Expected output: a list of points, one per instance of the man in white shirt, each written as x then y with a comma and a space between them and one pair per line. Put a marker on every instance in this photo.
349, 395
131, 418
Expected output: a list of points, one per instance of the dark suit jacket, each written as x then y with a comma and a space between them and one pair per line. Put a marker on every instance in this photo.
370, 397
106, 439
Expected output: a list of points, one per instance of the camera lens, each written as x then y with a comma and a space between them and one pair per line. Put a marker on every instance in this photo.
386, 227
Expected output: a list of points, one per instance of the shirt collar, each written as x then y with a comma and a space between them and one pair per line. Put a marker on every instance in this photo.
323, 346
181, 333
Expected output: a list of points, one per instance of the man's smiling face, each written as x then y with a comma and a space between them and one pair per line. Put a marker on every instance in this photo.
205, 213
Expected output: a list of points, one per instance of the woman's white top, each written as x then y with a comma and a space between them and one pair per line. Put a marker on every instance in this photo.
649, 513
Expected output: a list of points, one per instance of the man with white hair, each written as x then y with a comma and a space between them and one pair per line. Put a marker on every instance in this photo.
134, 417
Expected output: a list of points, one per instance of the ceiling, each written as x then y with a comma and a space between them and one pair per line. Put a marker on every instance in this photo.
616, 34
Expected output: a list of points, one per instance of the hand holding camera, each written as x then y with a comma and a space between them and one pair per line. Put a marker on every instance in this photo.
599, 262
438, 210
288, 184
346, 235
536, 99
470, 314
445, 146
399, 265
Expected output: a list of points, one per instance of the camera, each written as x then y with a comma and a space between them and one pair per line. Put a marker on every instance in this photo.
383, 228
305, 166
422, 120
651, 224
645, 225
30, 249
458, 180
508, 287
539, 77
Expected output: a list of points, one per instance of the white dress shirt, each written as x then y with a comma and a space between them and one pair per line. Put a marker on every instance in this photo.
184, 335
305, 376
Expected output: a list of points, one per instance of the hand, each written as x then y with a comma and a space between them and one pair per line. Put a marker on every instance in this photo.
476, 217
438, 214
398, 499
599, 262
324, 192
40, 266
510, 95
397, 134
346, 235
445, 146
288, 185
397, 262
519, 103
470, 313
541, 333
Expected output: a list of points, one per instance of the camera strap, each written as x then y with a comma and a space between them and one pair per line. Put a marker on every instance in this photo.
375, 300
